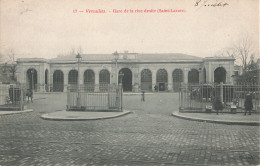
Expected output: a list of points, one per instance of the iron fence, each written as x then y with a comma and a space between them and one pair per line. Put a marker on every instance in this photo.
85, 98
12, 97
196, 97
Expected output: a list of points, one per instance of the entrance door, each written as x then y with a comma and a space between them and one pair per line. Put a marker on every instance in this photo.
32, 79
126, 79
161, 86
58, 81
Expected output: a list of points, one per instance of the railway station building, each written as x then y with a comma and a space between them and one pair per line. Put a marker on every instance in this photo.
136, 71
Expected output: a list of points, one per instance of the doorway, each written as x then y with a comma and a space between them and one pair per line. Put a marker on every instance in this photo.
126, 79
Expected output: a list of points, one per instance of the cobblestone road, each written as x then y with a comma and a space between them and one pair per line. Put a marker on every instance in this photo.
150, 136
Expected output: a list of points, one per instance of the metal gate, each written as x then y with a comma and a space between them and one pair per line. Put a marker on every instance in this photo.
12, 97
83, 100
195, 97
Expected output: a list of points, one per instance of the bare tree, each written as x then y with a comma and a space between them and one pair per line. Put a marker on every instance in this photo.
2, 58
226, 52
80, 50
243, 50
12, 67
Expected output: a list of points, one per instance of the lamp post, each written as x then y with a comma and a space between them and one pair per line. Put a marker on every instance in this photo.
116, 59
78, 57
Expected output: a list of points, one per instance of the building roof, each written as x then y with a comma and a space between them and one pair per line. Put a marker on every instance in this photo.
129, 57
146, 56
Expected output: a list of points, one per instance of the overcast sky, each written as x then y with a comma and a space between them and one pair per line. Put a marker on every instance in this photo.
46, 28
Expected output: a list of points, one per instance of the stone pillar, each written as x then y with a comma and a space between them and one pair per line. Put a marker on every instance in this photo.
81, 77
23, 75
41, 76
135, 81
113, 73
153, 79
49, 78
66, 80
185, 75
170, 88
97, 81
210, 74
221, 92
51, 82
201, 79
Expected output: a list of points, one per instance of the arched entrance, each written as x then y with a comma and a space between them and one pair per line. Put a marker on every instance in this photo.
89, 80
177, 79
162, 79
32, 79
104, 80
146, 80
46, 80
193, 76
126, 79
58, 81
220, 75
73, 79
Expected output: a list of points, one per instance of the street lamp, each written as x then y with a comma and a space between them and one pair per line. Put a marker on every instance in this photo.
79, 58
116, 59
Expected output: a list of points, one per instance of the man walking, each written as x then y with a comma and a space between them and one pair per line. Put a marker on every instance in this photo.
248, 103
142, 99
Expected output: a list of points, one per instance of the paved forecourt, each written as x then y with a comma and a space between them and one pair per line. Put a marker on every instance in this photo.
82, 115
223, 118
149, 136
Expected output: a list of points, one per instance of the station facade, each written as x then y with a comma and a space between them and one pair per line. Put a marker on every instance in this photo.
136, 72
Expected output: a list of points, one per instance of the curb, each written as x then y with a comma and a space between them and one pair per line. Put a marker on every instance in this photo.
248, 123
137, 93
15, 112
44, 116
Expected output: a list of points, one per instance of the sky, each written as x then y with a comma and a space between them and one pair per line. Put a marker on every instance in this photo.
45, 29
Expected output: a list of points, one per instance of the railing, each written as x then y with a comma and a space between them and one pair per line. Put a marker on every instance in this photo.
195, 97
84, 98
12, 97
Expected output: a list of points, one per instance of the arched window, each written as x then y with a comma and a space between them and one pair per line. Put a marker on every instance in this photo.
162, 79
125, 79
32, 79
89, 80
146, 80
193, 76
73, 79
220, 75
58, 81
177, 79
104, 80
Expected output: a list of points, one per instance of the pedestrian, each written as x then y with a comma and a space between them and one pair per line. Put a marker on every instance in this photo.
248, 103
217, 105
155, 87
29, 94
142, 99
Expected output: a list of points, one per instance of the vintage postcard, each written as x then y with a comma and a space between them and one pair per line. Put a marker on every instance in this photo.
129, 82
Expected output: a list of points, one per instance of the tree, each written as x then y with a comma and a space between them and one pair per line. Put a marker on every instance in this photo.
241, 51
13, 67
1, 58
10, 63
251, 73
